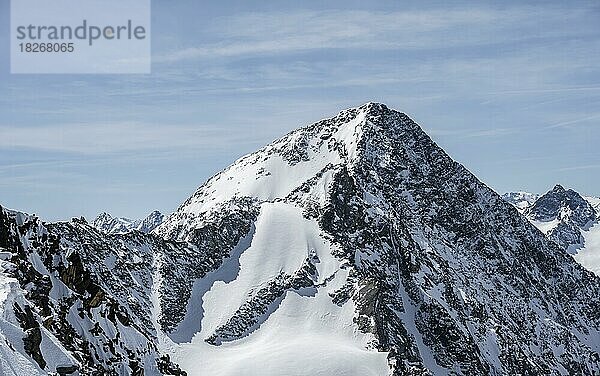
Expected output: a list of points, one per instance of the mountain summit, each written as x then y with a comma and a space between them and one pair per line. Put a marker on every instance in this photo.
562, 214
352, 246
440, 273
563, 205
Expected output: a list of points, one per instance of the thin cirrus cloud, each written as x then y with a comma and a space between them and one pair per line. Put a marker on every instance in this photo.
111, 137
578, 168
287, 32
576, 122
473, 133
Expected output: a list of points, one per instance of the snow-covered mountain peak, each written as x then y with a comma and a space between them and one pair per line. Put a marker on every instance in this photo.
152, 221
416, 244
103, 218
103, 221
112, 225
566, 218
563, 205
562, 214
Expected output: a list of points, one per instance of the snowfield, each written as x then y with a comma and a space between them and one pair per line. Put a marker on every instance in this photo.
589, 254
305, 323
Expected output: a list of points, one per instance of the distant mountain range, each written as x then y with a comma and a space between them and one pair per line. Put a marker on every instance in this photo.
120, 225
521, 200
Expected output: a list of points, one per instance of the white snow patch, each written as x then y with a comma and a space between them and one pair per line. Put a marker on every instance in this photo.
589, 254
546, 227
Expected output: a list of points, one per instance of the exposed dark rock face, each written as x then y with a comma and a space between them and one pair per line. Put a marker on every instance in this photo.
455, 217
66, 369
33, 334
167, 367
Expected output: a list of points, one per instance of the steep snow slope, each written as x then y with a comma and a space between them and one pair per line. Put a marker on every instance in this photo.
589, 254
306, 157
594, 201
296, 332
14, 360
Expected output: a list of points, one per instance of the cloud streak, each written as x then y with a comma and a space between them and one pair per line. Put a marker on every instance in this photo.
573, 122
102, 138
292, 32
474, 133
579, 168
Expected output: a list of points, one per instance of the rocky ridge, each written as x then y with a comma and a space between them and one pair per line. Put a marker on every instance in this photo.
121, 225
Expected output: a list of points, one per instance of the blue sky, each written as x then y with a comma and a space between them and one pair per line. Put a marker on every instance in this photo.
512, 91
